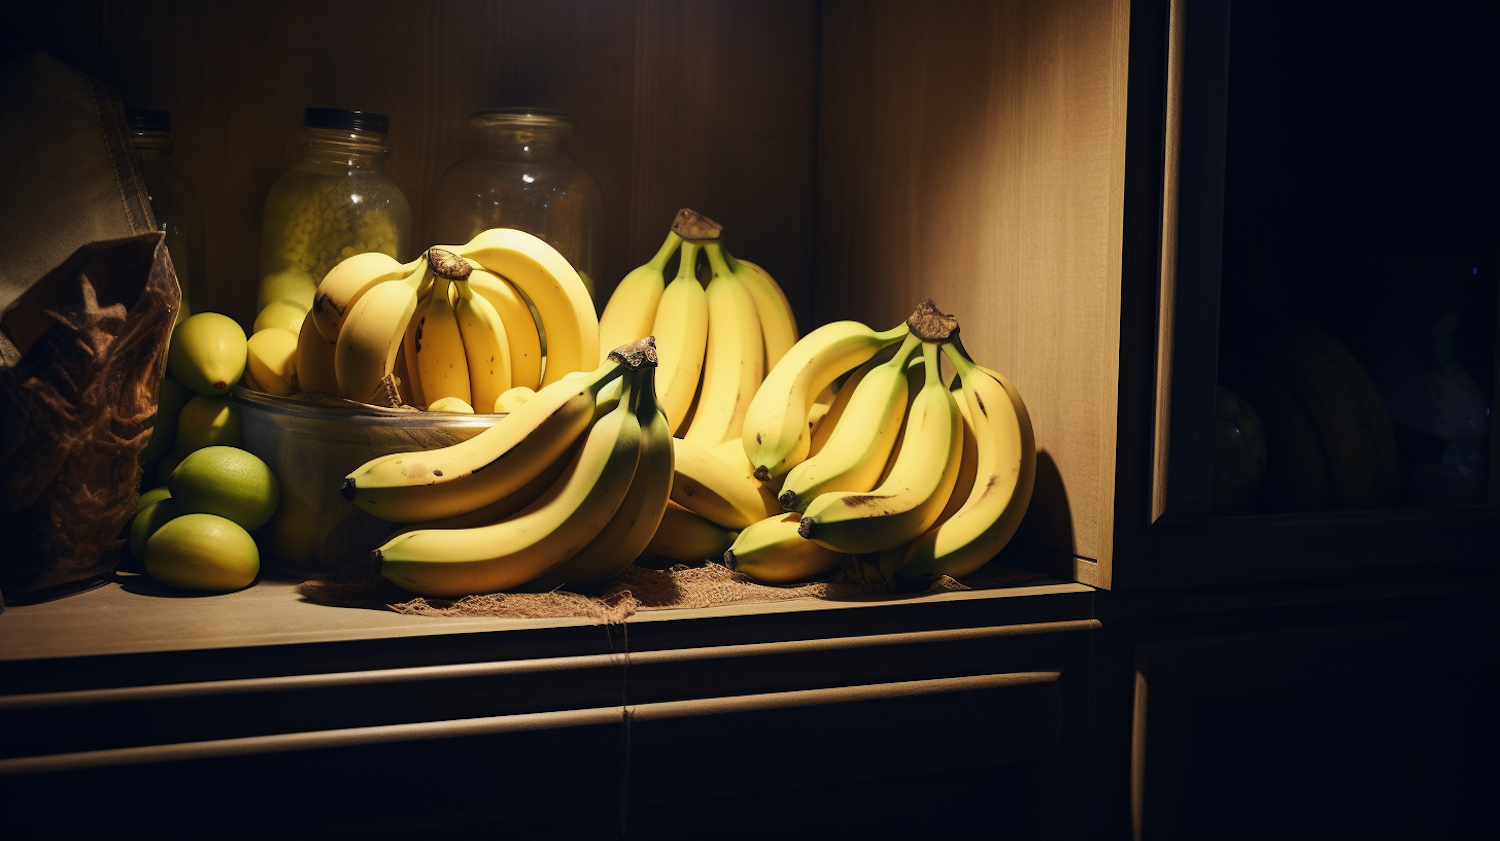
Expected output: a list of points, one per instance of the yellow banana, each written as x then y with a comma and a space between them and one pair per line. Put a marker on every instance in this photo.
315, 371
734, 358
772, 551
860, 445
911, 497
486, 346
410, 386
1001, 491
681, 331
823, 429
520, 326
442, 367
630, 312
569, 327
711, 487
640, 514
372, 332
775, 432
451, 563
443, 482
685, 536
512, 502
348, 281
778, 322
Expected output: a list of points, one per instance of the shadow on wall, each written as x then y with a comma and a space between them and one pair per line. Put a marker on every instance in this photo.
1047, 530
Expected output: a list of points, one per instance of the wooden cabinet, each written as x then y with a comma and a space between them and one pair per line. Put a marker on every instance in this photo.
1068, 178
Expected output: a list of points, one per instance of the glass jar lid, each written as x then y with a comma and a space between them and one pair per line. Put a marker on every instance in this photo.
342, 120
522, 117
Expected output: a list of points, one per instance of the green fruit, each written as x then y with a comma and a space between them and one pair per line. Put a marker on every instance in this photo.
226, 481
147, 522
204, 553
1239, 453
208, 421
152, 496
174, 395
207, 352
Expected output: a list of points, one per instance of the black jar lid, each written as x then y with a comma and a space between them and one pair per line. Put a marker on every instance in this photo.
146, 119
338, 118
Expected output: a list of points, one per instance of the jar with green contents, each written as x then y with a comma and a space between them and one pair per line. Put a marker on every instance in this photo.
336, 201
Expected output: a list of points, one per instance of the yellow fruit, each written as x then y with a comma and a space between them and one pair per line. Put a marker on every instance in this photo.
450, 404
512, 398
272, 360
208, 421
284, 313
226, 481
291, 285
153, 496
204, 553
147, 521
207, 352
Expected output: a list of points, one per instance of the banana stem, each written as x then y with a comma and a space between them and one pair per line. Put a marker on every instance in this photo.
716, 259
663, 254
956, 354
930, 359
689, 265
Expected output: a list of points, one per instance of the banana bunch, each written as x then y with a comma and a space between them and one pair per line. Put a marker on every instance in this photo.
913, 477
566, 491
716, 340
454, 327
1329, 438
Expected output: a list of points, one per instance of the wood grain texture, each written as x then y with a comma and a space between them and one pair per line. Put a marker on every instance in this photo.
702, 104
974, 153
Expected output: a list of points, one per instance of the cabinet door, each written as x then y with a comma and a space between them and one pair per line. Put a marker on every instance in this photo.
1328, 254
1376, 730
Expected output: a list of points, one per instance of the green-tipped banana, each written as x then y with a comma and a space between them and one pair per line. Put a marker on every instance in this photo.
734, 358
860, 445
451, 563
453, 480
775, 432
913, 494
773, 552
631, 310
640, 514
1001, 491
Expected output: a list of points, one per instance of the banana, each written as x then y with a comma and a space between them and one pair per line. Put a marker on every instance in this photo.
775, 431
1296, 464
968, 462
1372, 407
509, 504
568, 323
520, 326
315, 371
777, 321
410, 386
631, 310
713, 488
639, 515
685, 536
486, 346
348, 281
1001, 490
772, 551
372, 332
441, 363
734, 358
451, 563
1330, 402
681, 331
823, 429
446, 481
860, 445
909, 500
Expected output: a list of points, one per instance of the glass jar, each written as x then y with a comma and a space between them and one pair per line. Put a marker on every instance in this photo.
172, 203
335, 202
519, 175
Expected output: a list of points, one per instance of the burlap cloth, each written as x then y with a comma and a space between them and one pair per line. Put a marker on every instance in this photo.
639, 588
